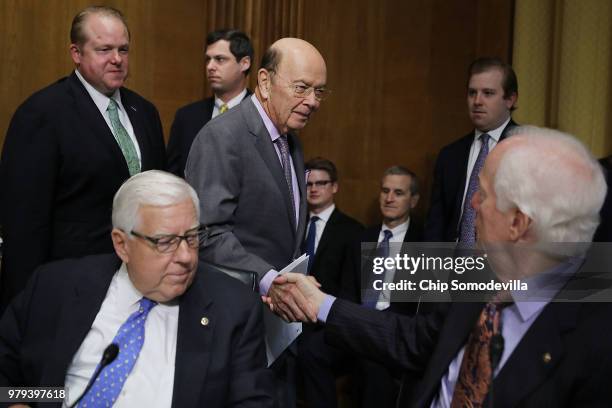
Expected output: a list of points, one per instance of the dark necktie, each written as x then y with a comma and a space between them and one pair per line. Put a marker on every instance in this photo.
475, 373
283, 147
129, 338
382, 251
467, 232
310, 240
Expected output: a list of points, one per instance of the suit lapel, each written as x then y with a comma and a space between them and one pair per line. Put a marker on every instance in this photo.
78, 313
527, 366
298, 164
266, 150
91, 118
457, 326
194, 343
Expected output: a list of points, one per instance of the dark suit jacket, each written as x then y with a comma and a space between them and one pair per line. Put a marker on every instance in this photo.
575, 335
218, 365
604, 231
442, 224
60, 169
244, 197
187, 123
340, 231
355, 272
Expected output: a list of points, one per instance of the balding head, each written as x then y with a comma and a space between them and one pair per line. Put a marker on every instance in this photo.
290, 70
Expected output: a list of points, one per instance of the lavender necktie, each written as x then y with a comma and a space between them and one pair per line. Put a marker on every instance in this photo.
467, 234
283, 147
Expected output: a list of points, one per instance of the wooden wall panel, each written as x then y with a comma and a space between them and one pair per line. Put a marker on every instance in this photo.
396, 68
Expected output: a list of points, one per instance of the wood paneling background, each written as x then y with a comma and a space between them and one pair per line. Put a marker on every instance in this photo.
396, 67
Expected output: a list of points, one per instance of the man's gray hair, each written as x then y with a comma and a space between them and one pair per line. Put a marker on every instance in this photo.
554, 179
150, 188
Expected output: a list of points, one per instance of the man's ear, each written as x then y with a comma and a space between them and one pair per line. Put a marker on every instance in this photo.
264, 82
120, 243
414, 200
75, 53
519, 226
245, 63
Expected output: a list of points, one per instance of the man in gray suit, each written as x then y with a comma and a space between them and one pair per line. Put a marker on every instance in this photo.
248, 162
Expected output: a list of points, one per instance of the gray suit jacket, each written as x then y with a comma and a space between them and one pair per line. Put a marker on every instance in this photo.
244, 198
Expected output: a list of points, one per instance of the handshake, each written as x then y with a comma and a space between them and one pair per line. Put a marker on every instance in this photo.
295, 297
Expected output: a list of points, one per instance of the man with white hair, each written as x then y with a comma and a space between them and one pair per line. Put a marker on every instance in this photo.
180, 342
537, 188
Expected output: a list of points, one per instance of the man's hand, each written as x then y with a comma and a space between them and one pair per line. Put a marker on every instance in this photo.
300, 299
286, 300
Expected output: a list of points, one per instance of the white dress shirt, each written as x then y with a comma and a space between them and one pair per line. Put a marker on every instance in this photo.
230, 104
102, 102
320, 223
399, 233
151, 382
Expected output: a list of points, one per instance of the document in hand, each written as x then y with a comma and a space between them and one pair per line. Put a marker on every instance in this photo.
280, 334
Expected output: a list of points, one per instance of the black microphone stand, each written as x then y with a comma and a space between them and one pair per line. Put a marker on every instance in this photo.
109, 355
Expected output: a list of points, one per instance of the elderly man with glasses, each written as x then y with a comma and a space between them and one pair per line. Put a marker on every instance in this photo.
144, 326
248, 162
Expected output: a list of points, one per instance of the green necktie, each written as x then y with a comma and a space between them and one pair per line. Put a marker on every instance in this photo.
121, 135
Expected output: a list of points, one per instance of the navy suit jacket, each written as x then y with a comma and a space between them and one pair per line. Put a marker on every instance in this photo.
61, 167
187, 123
563, 360
442, 223
219, 365
333, 249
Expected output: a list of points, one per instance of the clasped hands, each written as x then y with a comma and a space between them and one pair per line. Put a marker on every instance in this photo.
295, 297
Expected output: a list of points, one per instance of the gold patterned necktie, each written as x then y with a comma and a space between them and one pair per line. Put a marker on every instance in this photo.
123, 139
475, 373
223, 108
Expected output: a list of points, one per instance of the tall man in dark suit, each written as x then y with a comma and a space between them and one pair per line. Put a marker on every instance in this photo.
187, 337
229, 55
538, 188
399, 195
68, 149
492, 92
249, 165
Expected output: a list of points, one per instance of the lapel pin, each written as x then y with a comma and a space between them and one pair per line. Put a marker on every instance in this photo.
546, 358
204, 321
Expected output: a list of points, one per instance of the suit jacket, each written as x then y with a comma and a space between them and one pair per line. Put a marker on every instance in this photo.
60, 169
355, 273
604, 231
442, 224
244, 197
218, 365
563, 360
187, 123
340, 231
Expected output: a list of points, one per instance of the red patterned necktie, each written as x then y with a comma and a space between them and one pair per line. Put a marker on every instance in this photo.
475, 373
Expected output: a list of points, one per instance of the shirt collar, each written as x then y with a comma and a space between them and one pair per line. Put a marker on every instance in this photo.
400, 229
495, 134
98, 97
272, 131
232, 102
543, 287
325, 214
127, 294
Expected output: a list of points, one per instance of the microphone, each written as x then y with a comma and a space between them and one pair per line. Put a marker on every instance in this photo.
110, 354
496, 349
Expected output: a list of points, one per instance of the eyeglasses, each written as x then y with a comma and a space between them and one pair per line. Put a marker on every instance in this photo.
165, 244
302, 91
319, 183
